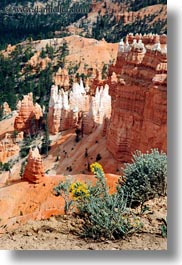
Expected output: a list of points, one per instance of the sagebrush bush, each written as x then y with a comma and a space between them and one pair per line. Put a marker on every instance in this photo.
63, 190
108, 217
146, 177
105, 215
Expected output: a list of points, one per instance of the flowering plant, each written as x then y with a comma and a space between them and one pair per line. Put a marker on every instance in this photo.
104, 215
79, 190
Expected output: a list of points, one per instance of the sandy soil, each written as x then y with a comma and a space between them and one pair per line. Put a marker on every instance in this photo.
61, 233
95, 143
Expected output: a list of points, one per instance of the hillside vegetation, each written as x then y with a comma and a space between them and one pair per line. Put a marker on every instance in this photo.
96, 19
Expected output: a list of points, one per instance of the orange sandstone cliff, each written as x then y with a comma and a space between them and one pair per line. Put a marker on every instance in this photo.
138, 87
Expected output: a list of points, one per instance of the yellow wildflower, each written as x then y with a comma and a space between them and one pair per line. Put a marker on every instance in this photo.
95, 167
79, 190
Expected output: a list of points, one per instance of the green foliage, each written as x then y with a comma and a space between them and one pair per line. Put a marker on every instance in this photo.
145, 177
15, 28
5, 166
63, 190
8, 75
42, 53
104, 71
138, 4
13, 85
164, 228
46, 141
24, 151
1, 112
26, 145
28, 53
23, 165
50, 51
105, 215
107, 27
63, 52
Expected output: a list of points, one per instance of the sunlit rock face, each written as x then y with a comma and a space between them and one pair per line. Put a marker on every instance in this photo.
61, 78
9, 145
36, 60
28, 113
138, 87
77, 108
34, 171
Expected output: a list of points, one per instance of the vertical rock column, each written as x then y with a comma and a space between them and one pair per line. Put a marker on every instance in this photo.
138, 87
34, 171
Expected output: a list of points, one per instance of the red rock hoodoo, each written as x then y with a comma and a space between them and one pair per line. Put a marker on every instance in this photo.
138, 87
28, 113
34, 171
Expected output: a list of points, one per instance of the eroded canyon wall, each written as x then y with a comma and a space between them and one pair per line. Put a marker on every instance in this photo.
77, 108
138, 87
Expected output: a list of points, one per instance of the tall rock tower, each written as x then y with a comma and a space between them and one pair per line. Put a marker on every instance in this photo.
138, 87
34, 171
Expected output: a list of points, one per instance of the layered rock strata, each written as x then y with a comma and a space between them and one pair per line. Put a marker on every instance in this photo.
28, 115
34, 171
147, 39
61, 78
138, 87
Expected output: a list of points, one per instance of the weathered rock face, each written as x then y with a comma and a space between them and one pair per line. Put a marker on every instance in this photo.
78, 109
147, 39
28, 115
59, 117
128, 17
61, 78
38, 202
36, 60
9, 146
139, 100
34, 171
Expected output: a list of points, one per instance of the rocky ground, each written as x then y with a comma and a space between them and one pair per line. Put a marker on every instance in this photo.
61, 233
